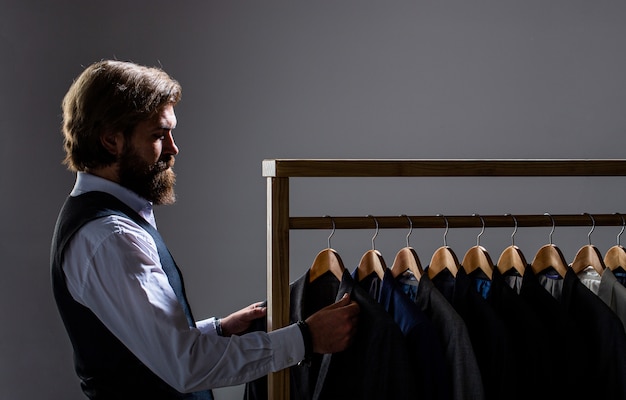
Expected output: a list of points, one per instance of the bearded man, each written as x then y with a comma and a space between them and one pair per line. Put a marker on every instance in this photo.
117, 287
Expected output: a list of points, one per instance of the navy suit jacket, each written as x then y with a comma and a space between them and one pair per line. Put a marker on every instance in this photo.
431, 380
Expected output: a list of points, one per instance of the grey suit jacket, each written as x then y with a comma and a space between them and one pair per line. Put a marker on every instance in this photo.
466, 379
613, 294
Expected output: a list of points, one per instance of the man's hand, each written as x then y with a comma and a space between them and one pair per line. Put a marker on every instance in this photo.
333, 327
239, 321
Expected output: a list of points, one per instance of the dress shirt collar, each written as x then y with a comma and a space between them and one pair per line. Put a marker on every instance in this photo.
86, 182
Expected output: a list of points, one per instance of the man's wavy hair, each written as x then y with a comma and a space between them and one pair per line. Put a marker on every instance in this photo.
110, 96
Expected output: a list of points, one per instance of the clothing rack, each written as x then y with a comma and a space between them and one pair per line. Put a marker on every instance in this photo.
280, 222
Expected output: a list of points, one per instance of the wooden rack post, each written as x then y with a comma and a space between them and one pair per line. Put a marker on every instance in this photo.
279, 221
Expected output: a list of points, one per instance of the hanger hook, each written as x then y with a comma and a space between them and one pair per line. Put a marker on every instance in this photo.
333, 231
622, 231
375, 233
410, 229
445, 233
553, 226
514, 229
593, 227
482, 230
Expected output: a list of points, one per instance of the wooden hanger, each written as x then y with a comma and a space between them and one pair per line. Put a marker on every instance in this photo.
512, 257
549, 256
327, 260
443, 258
407, 259
588, 255
372, 261
477, 257
615, 257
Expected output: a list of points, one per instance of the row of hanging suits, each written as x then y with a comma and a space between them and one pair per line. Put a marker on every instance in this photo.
468, 330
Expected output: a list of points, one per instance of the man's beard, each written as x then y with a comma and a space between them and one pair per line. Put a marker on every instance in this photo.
153, 182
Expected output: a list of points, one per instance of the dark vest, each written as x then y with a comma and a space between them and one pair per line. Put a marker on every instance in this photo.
107, 369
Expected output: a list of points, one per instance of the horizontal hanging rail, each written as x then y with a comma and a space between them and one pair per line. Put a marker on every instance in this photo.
455, 221
441, 168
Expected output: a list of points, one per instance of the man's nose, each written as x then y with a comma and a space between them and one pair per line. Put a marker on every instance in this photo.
169, 145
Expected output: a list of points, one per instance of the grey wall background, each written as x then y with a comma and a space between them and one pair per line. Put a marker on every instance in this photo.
325, 79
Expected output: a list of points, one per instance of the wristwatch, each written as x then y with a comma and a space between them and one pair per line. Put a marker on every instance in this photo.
308, 343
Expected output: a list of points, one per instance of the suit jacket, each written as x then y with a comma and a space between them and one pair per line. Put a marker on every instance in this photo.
431, 380
461, 360
559, 342
613, 294
491, 339
374, 367
533, 364
604, 349
585, 338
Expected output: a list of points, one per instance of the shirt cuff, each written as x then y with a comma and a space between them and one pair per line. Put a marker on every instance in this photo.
287, 345
207, 326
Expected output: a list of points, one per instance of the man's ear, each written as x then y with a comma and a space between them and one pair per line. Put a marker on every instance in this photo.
113, 142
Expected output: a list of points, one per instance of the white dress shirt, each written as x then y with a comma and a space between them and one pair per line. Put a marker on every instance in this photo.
112, 267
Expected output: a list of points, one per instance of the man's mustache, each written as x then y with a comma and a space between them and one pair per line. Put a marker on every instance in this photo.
165, 163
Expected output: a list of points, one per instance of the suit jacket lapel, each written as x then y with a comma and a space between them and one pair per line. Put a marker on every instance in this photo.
345, 286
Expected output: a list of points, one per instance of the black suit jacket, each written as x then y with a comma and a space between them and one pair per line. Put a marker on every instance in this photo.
534, 365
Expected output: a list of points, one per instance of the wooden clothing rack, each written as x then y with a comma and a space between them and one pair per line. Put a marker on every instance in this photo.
280, 222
